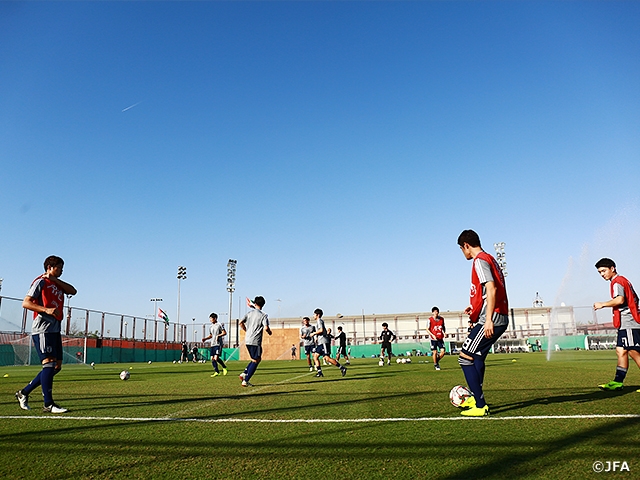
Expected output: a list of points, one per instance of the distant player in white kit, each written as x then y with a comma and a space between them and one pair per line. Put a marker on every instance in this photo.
308, 340
216, 334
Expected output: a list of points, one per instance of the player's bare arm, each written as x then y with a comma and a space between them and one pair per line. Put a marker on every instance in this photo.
67, 288
490, 289
30, 304
614, 302
268, 330
243, 326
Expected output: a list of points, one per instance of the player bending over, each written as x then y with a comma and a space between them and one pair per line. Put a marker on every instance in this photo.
626, 318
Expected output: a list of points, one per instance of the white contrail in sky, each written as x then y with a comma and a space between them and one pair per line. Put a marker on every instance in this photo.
131, 106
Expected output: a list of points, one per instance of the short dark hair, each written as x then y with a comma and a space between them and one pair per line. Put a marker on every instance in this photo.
470, 237
306, 318
435, 309
52, 261
260, 301
214, 315
340, 328
385, 324
606, 263
318, 312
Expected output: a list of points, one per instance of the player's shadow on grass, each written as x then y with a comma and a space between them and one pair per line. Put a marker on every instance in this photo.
591, 396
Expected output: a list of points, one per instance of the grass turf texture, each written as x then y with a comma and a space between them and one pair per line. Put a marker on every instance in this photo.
194, 446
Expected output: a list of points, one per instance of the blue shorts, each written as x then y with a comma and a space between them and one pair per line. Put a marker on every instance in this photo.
477, 345
437, 344
308, 350
629, 339
215, 350
386, 346
321, 349
255, 352
48, 345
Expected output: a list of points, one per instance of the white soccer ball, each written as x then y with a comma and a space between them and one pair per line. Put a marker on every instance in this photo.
398, 360
459, 394
408, 360
93, 364
381, 363
404, 360
124, 375
179, 361
174, 361
149, 362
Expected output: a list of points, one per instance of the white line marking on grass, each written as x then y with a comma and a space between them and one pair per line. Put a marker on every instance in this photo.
315, 420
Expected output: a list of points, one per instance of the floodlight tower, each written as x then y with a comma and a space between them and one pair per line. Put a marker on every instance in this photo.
501, 257
182, 275
231, 285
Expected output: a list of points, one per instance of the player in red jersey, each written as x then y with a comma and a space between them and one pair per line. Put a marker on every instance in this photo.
45, 299
436, 333
626, 318
489, 311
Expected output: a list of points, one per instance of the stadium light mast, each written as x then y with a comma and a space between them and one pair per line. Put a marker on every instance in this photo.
182, 275
501, 257
231, 285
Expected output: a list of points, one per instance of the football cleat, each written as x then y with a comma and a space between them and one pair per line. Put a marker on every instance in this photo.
476, 412
53, 408
224, 371
469, 402
343, 370
311, 369
612, 385
215, 374
319, 374
242, 376
246, 384
23, 400
437, 367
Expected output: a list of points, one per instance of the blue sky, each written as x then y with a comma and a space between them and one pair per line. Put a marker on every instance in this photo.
335, 149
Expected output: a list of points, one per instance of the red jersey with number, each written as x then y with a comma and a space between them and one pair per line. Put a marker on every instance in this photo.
49, 296
436, 327
630, 297
477, 295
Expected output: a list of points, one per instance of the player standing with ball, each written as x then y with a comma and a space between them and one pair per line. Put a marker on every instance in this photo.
489, 311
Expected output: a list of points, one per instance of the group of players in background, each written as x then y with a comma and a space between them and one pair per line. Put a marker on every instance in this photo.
487, 311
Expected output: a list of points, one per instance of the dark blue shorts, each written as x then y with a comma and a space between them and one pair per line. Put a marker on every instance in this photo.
48, 345
308, 350
255, 352
321, 349
477, 345
437, 344
629, 339
215, 350
386, 346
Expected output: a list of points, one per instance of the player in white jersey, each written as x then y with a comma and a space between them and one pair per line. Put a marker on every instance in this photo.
323, 347
308, 340
255, 322
216, 334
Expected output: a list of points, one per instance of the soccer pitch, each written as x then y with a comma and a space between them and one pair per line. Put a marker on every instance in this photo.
548, 420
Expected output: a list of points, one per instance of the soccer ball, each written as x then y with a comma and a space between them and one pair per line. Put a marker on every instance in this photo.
459, 394
408, 360
93, 364
124, 375
149, 362
174, 361
404, 360
381, 363
398, 360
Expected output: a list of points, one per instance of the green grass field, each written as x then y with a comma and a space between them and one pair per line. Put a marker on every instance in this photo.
175, 421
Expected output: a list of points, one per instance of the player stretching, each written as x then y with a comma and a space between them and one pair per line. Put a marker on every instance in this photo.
436, 332
489, 311
216, 332
323, 347
342, 346
387, 336
306, 335
46, 300
626, 318
255, 322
